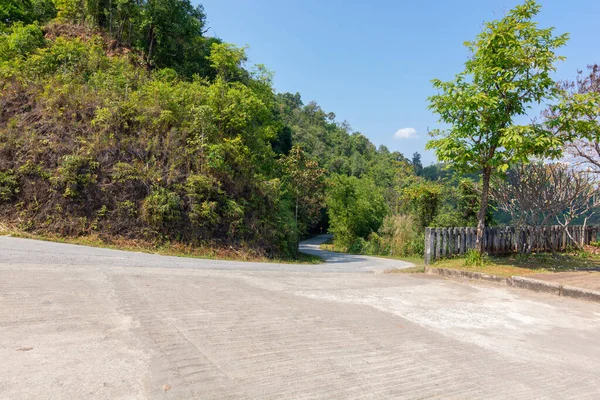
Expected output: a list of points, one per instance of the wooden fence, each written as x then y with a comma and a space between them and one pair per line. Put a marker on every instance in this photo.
446, 242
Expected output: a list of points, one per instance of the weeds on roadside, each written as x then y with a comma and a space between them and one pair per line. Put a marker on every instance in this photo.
475, 258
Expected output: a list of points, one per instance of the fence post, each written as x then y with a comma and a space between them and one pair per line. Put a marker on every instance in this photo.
427, 246
438, 244
444, 241
497, 239
471, 238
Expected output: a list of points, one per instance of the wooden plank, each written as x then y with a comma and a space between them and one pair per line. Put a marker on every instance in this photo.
444, 242
456, 241
438, 241
427, 248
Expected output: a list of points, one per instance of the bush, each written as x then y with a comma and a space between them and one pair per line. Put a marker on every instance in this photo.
357, 246
423, 199
75, 174
356, 208
123, 172
399, 235
21, 41
9, 186
63, 55
205, 214
161, 208
202, 191
475, 258
127, 209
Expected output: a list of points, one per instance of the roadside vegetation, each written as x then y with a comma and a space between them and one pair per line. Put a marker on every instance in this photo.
586, 260
123, 122
164, 248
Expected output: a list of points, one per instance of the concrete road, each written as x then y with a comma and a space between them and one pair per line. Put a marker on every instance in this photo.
77, 322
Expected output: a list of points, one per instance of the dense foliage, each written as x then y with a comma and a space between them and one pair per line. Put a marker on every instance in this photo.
93, 137
122, 118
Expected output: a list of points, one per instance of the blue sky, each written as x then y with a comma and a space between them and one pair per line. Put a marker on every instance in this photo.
371, 62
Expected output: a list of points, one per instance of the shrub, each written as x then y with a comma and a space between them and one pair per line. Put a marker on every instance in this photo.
399, 235
201, 187
75, 174
235, 216
424, 198
63, 54
21, 41
32, 169
161, 208
357, 246
9, 186
475, 258
123, 172
356, 208
202, 191
205, 214
127, 209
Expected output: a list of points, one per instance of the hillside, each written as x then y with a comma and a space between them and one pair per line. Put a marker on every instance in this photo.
142, 128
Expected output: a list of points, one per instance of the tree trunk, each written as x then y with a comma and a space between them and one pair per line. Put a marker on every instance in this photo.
485, 194
151, 37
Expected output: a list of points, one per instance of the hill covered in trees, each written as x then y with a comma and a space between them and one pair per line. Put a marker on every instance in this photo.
124, 119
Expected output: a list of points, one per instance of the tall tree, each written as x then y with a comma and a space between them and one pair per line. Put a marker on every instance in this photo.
509, 70
304, 181
417, 164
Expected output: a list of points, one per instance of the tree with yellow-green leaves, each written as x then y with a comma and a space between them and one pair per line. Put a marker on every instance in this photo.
509, 70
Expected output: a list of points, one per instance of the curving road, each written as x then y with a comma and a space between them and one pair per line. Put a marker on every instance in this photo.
79, 322
341, 262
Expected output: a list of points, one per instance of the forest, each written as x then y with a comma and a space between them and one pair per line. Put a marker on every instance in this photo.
123, 119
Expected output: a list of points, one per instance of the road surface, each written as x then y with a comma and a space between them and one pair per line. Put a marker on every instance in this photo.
79, 322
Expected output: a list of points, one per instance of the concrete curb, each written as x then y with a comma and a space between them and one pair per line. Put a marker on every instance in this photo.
535, 285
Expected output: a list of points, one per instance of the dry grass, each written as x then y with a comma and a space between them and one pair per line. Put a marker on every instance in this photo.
534, 264
417, 269
176, 249
328, 246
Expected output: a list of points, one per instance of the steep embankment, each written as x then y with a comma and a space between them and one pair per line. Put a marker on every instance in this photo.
92, 140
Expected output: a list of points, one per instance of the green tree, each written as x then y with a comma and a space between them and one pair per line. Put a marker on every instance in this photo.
417, 163
167, 30
423, 199
509, 70
356, 208
304, 181
12, 11
20, 41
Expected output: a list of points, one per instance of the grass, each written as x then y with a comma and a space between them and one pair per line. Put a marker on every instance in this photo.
175, 249
417, 269
506, 265
328, 246
534, 264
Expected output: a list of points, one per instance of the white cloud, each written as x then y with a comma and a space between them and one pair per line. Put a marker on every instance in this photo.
405, 133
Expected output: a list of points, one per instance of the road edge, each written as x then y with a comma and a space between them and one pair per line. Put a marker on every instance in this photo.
520, 282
